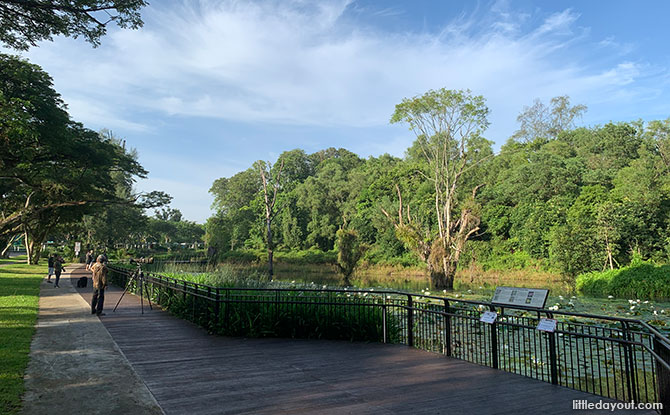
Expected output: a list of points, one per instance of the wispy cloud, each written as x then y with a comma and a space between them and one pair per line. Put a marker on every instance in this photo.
300, 63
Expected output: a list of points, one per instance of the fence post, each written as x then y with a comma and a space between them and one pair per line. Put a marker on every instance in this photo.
553, 359
494, 341
447, 328
663, 375
217, 306
410, 321
628, 361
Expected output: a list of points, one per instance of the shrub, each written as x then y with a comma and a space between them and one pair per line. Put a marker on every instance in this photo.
640, 279
257, 313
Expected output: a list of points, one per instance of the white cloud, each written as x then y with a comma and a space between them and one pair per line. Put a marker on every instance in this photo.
301, 63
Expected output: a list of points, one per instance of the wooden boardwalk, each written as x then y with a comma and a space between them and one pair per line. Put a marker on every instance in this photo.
192, 372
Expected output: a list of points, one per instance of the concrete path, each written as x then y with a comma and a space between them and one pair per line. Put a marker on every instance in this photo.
75, 365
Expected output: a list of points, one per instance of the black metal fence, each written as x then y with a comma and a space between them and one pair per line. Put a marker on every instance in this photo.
619, 358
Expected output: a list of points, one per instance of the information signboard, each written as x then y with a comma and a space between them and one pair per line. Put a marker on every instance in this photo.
77, 248
527, 297
547, 324
488, 317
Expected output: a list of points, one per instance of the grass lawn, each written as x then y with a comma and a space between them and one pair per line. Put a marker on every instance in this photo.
19, 295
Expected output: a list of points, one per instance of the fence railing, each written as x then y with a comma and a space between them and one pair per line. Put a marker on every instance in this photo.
619, 358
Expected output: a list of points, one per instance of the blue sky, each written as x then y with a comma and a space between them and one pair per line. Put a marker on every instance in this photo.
208, 87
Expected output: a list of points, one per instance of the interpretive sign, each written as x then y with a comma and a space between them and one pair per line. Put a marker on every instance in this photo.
547, 324
488, 317
77, 248
527, 297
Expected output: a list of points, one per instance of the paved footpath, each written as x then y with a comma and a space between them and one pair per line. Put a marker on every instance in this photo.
75, 365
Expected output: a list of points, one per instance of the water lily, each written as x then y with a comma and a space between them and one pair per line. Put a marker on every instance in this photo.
427, 292
630, 301
646, 302
610, 296
632, 308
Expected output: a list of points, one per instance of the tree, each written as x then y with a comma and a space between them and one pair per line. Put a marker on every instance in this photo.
271, 180
349, 252
540, 121
23, 23
52, 169
448, 125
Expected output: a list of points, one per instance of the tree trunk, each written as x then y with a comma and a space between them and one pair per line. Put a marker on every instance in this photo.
443, 279
270, 253
33, 249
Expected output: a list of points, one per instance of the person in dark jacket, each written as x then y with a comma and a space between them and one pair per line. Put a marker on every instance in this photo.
89, 259
58, 268
51, 268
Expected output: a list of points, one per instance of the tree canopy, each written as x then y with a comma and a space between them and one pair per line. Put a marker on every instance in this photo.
53, 169
23, 23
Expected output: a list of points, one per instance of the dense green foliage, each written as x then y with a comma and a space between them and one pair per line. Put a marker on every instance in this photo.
638, 280
581, 200
19, 295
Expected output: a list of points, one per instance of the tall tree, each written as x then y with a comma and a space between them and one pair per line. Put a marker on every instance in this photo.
52, 169
540, 121
271, 180
448, 125
23, 23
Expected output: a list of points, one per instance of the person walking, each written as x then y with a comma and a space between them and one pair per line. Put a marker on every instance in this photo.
51, 268
99, 270
58, 269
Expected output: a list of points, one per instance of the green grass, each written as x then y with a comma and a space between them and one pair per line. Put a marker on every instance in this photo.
19, 296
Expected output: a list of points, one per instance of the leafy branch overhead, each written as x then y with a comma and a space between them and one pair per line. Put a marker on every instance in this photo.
24, 23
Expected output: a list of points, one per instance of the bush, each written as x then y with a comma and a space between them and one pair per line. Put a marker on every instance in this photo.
257, 313
640, 279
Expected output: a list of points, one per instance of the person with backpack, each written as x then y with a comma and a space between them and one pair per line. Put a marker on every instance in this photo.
51, 268
58, 268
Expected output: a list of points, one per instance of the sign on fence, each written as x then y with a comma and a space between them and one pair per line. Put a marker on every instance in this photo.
547, 324
488, 317
527, 297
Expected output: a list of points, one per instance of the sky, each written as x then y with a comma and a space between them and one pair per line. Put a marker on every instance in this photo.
205, 88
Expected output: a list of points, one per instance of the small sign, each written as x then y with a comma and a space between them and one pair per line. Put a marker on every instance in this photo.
527, 297
77, 246
488, 317
547, 324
